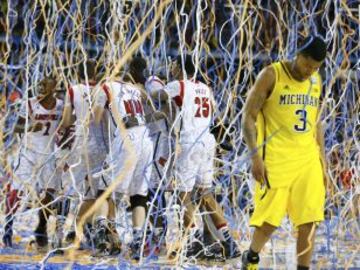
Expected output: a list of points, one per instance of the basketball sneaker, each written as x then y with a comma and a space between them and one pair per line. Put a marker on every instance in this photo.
249, 264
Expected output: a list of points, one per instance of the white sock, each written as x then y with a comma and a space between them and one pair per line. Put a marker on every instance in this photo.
225, 232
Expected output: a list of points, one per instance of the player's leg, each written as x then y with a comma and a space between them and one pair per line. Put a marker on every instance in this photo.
22, 174
194, 247
62, 208
204, 181
96, 155
48, 182
157, 218
265, 220
12, 202
62, 205
76, 177
186, 170
138, 204
100, 223
44, 213
230, 247
106, 238
86, 229
111, 228
185, 200
306, 208
159, 181
138, 190
305, 244
87, 186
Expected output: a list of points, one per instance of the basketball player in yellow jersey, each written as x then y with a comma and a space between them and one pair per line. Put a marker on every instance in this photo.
282, 131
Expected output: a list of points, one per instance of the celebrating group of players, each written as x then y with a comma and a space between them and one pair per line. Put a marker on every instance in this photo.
134, 137
120, 134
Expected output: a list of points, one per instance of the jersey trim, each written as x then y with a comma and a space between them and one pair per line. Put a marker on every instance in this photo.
107, 93
264, 139
71, 94
30, 107
277, 73
286, 70
156, 80
179, 99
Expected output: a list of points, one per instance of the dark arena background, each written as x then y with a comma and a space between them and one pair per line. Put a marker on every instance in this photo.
230, 41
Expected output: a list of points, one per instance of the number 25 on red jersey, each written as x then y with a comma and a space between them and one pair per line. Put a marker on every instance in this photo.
203, 107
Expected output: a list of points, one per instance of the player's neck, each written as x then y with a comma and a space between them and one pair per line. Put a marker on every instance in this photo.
292, 69
48, 102
91, 82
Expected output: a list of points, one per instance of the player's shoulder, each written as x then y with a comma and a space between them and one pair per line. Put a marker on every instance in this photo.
201, 84
154, 83
153, 79
115, 83
76, 88
174, 84
273, 69
270, 75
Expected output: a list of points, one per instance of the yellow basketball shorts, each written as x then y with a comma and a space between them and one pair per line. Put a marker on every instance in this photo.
303, 199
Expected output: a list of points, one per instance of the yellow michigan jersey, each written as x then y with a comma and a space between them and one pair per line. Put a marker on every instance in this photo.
286, 125
286, 129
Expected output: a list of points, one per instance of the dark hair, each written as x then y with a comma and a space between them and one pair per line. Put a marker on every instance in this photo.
137, 66
188, 62
314, 47
90, 69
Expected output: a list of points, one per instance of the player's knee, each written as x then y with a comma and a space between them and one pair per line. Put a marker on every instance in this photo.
267, 229
307, 228
138, 201
204, 196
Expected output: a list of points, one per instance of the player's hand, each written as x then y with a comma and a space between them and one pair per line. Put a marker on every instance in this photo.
258, 169
36, 127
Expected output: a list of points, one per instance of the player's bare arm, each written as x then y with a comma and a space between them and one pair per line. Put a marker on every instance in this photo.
168, 107
67, 117
20, 126
153, 115
261, 90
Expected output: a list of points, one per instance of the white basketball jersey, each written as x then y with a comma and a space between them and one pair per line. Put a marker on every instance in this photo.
195, 103
42, 141
126, 98
80, 98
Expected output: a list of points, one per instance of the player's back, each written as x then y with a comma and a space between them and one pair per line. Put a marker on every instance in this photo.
195, 102
42, 141
81, 98
126, 97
